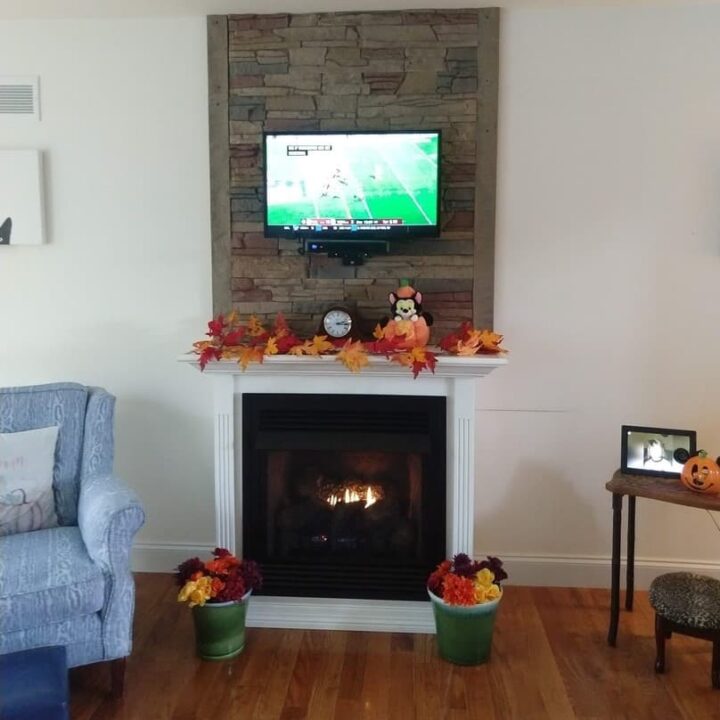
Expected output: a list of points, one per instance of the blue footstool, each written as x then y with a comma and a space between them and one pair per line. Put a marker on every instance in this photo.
34, 685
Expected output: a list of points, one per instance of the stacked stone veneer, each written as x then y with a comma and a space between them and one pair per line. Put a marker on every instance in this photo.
353, 71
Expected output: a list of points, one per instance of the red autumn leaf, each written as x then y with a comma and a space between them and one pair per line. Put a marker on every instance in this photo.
216, 327
285, 343
385, 346
209, 353
234, 336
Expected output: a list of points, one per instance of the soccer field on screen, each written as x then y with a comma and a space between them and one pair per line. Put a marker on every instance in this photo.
360, 177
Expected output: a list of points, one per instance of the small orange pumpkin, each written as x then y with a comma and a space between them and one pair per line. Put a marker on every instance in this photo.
701, 474
415, 334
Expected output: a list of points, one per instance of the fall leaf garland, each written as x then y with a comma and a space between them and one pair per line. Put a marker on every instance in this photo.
250, 343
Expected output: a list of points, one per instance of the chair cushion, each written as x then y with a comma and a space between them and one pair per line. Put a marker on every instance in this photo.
63, 404
34, 684
46, 577
687, 599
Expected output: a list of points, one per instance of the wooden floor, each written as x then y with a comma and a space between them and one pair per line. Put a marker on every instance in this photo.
550, 660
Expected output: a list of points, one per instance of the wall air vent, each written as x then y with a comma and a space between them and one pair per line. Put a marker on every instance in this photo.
19, 97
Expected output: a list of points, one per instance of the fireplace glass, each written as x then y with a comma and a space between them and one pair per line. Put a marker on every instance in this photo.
344, 495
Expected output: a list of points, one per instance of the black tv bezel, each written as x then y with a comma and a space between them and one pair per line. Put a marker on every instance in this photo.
397, 233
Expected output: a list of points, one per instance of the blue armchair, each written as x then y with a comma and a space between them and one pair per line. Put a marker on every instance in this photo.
71, 585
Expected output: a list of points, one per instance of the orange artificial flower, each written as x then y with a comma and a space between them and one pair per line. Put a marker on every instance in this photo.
458, 590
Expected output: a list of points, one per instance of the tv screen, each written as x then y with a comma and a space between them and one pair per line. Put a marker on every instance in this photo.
357, 185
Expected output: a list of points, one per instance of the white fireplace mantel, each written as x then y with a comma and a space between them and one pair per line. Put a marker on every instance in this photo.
454, 378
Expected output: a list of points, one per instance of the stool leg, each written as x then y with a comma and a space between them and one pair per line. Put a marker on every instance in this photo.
660, 635
117, 676
715, 676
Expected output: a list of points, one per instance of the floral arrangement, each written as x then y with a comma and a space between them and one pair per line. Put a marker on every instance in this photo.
222, 579
253, 342
464, 581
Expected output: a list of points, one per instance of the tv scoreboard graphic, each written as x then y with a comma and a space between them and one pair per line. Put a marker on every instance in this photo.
319, 225
305, 150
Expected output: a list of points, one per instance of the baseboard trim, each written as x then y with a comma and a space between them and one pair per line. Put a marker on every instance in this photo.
533, 570
593, 571
165, 557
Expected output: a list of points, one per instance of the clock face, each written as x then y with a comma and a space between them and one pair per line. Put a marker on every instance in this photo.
337, 323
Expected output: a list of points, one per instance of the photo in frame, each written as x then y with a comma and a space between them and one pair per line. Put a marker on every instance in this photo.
661, 452
21, 198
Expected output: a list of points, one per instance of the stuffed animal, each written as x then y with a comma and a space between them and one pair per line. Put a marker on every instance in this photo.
408, 319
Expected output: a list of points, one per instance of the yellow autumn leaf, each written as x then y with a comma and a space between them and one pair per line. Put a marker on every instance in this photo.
297, 349
246, 355
254, 326
232, 317
319, 345
271, 347
353, 356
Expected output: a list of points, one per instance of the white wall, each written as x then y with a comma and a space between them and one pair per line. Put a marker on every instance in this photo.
608, 267
608, 276
124, 285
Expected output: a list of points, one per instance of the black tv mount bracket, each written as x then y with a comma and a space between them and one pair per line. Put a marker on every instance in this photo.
351, 252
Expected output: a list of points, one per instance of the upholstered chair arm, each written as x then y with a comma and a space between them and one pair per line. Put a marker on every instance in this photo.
109, 515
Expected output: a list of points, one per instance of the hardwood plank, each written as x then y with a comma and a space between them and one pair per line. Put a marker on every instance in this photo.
550, 662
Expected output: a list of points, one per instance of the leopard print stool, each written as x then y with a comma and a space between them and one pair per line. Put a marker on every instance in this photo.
687, 604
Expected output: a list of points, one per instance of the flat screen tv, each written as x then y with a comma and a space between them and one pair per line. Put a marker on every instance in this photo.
352, 185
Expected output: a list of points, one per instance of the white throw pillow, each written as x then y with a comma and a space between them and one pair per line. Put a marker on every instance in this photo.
27, 502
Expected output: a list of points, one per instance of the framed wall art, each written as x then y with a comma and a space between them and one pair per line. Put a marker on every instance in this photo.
21, 198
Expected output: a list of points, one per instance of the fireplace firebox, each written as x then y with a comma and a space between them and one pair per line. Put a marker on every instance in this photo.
344, 495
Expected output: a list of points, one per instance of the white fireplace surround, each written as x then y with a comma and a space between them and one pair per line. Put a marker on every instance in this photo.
454, 378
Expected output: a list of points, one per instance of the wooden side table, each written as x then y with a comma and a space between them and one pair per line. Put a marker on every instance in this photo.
669, 490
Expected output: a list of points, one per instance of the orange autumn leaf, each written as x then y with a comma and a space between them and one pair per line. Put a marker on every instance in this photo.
255, 327
271, 347
319, 345
417, 358
378, 332
490, 340
247, 355
232, 317
465, 348
280, 327
353, 356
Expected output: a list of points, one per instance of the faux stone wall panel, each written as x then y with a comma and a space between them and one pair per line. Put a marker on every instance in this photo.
362, 71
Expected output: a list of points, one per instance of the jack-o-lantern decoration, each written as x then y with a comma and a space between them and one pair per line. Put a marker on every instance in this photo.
701, 474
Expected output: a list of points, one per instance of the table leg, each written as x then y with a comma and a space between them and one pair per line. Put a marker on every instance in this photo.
617, 501
630, 584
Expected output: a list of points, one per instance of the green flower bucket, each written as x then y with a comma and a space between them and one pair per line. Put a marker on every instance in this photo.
464, 632
220, 629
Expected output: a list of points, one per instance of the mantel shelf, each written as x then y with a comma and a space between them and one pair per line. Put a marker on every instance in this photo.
448, 366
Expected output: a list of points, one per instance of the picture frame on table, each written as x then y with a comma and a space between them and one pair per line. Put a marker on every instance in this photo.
659, 452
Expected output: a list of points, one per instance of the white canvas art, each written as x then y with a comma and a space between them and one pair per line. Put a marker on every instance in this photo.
21, 210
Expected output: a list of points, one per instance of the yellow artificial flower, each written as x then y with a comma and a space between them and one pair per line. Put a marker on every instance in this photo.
493, 592
485, 577
480, 593
198, 592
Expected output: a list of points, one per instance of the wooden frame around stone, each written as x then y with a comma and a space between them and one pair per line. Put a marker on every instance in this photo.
486, 172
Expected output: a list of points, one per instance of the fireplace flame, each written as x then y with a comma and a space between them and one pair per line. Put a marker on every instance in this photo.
348, 493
